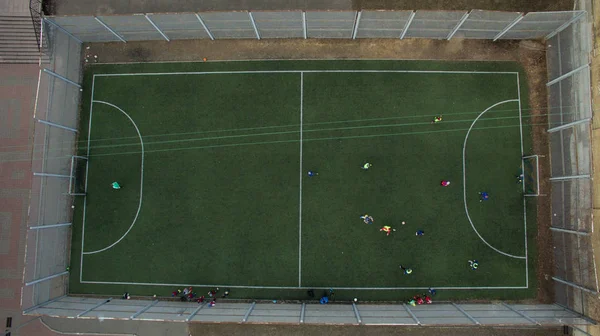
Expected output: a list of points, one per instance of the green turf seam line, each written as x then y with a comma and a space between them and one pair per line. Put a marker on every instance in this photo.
465, 180
141, 178
315, 139
292, 132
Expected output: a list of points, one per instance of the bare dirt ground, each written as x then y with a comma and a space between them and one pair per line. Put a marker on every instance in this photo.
530, 54
198, 329
107, 7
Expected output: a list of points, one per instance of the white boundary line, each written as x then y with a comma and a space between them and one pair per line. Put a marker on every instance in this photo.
291, 287
465, 179
141, 178
300, 71
300, 202
89, 135
301, 174
523, 184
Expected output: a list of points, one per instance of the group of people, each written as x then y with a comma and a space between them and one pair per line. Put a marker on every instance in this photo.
188, 294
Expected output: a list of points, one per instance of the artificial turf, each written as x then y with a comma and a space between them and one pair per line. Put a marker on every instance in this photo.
225, 179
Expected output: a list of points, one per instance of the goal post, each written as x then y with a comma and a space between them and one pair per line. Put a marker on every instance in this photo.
531, 175
78, 175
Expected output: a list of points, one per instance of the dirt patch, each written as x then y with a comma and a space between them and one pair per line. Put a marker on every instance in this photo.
197, 329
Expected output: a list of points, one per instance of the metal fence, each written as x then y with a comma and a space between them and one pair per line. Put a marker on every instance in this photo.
313, 313
54, 142
475, 24
570, 112
55, 137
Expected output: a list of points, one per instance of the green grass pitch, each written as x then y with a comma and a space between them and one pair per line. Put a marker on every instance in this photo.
213, 161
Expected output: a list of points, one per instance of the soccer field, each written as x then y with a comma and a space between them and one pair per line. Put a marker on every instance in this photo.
213, 160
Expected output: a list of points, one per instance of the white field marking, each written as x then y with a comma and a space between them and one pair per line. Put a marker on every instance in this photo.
141, 178
292, 287
86, 181
285, 59
465, 180
301, 71
300, 200
523, 184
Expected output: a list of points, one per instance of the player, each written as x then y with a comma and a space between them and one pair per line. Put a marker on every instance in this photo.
436, 120
366, 166
412, 302
445, 183
367, 219
420, 233
483, 196
473, 264
406, 270
428, 300
520, 178
312, 173
116, 185
387, 230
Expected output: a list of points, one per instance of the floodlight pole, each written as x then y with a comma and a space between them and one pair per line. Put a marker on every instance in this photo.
54, 74
254, 25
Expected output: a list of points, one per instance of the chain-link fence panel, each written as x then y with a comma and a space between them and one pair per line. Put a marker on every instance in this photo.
382, 24
279, 24
572, 205
132, 27
538, 25
569, 99
65, 55
435, 25
573, 46
330, 24
180, 26
235, 25
485, 24
85, 28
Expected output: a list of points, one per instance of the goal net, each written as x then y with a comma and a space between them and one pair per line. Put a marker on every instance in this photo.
78, 175
530, 175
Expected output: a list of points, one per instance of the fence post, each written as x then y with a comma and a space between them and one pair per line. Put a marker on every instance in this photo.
565, 25
94, 307
41, 121
26, 311
505, 30
302, 313
254, 25
304, 30
156, 27
407, 25
141, 311
205, 27
41, 227
62, 29
249, 312
569, 125
110, 29
521, 314
573, 177
356, 23
571, 284
50, 277
356, 313
54, 74
189, 318
460, 23
466, 314
414, 317
568, 74
580, 233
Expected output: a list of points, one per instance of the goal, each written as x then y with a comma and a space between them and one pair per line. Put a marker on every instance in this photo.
531, 175
78, 175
